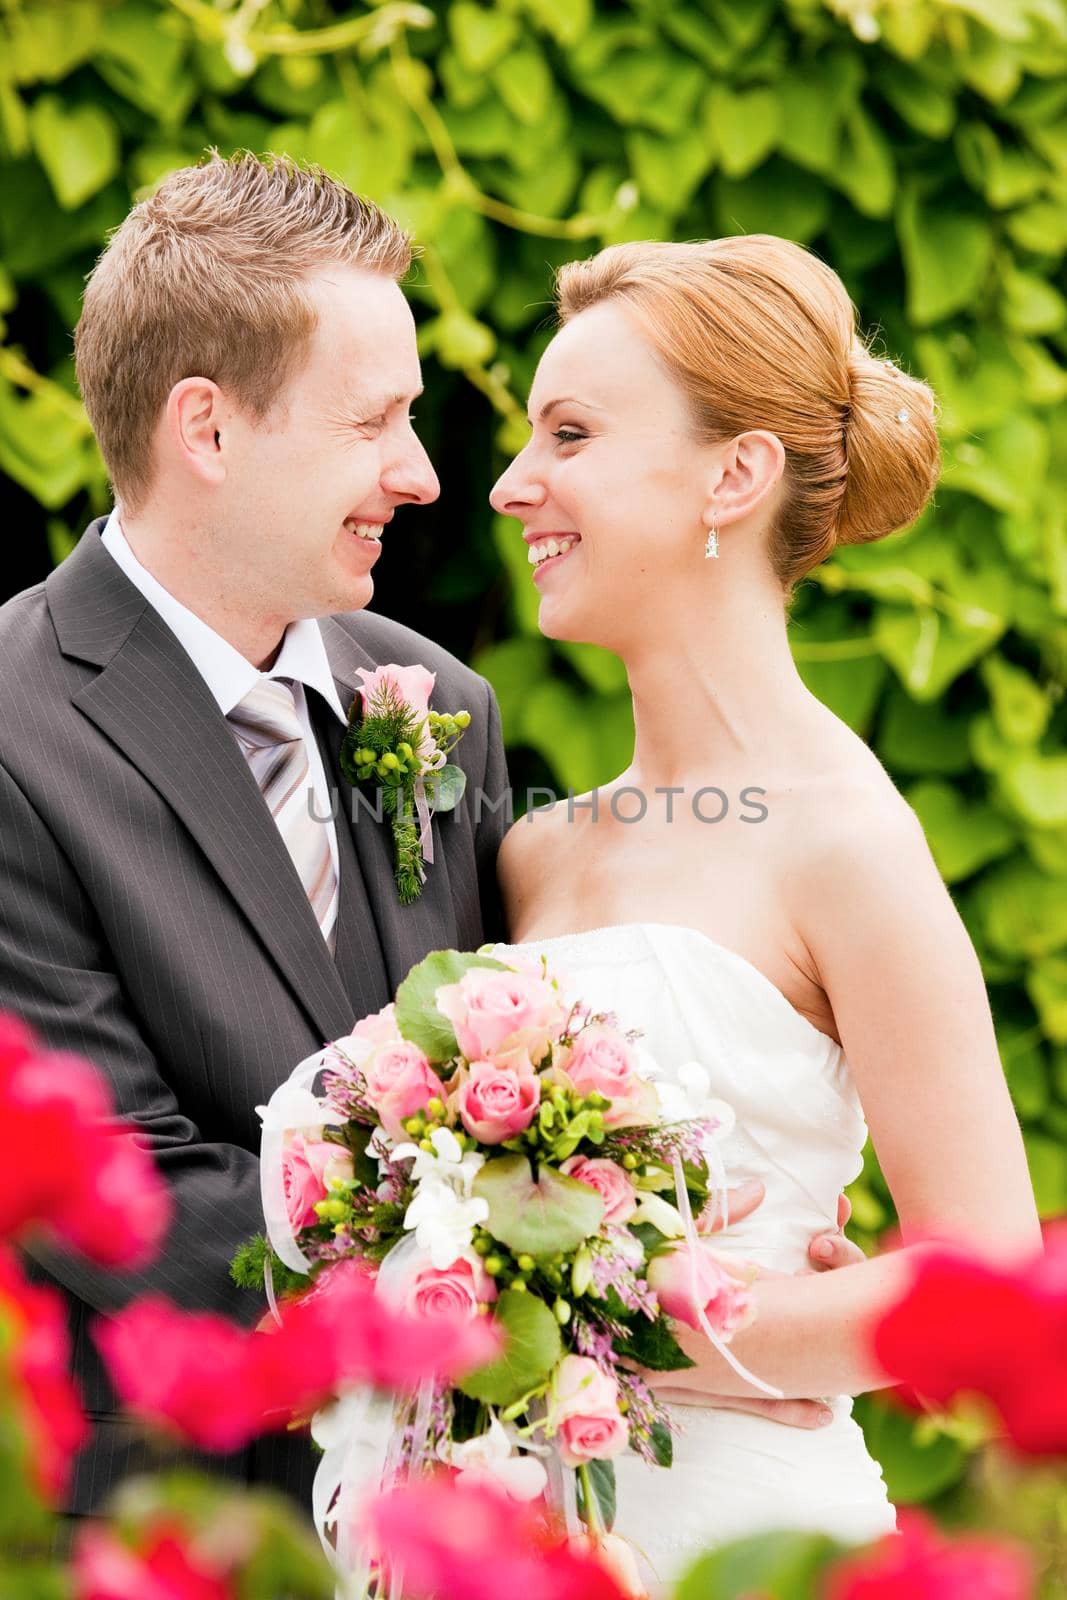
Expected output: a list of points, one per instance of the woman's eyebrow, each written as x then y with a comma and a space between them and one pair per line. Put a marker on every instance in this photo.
566, 400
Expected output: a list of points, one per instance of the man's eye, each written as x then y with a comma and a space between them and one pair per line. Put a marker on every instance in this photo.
567, 436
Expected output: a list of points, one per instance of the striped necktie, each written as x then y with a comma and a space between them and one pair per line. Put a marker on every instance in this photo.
269, 732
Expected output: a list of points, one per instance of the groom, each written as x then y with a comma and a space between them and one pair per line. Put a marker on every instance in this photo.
168, 906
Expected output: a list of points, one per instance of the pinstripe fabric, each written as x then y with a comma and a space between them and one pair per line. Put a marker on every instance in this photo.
150, 917
269, 732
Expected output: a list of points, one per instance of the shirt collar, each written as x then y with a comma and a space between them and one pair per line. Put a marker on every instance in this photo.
223, 668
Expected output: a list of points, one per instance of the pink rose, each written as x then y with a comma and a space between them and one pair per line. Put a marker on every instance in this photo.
723, 1296
308, 1165
414, 686
494, 1012
496, 1103
585, 1413
457, 1292
379, 1028
399, 1081
610, 1181
603, 1062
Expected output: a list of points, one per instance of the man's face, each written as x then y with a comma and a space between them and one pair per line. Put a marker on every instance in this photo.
309, 487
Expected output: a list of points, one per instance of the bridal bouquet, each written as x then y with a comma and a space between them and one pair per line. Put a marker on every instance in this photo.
488, 1146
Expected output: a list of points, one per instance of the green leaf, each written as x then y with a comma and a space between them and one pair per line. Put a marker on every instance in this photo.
928, 650
668, 169
1047, 1158
417, 1015
775, 1566
1030, 304
1023, 910
916, 1464
962, 837
917, 738
653, 1345
815, 97
1021, 709
566, 20
46, 42
525, 84
446, 787
538, 1216
662, 1443
602, 1480
1035, 786
865, 168
946, 255
922, 104
778, 198
744, 126
532, 1348
462, 341
481, 36
78, 147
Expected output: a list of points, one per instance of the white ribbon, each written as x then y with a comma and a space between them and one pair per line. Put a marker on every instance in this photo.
291, 1108
693, 1242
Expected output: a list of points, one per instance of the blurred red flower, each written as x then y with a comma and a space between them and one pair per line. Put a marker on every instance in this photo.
164, 1568
68, 1165
471, 1543
966, 1326
920, 1563
219, 1385
35, 1343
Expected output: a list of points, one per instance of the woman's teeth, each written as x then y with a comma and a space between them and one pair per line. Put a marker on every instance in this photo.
550, 548
364, 530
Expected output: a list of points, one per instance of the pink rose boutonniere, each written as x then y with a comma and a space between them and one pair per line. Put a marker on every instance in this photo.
395, 742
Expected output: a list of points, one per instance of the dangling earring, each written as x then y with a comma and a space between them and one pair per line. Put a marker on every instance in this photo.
711, 548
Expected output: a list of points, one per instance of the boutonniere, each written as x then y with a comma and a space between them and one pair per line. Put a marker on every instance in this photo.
395, 742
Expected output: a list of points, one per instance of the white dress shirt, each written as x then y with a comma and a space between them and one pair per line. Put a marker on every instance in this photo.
302, 659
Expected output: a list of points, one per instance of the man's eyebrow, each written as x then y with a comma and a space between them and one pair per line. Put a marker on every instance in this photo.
565, 400
375, 405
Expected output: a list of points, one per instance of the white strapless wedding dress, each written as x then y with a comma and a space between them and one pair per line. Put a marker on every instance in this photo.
800, 1130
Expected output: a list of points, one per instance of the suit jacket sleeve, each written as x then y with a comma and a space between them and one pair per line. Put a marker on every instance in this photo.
57, 974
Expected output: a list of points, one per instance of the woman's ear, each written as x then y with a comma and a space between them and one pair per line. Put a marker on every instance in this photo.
747, 472
193, 421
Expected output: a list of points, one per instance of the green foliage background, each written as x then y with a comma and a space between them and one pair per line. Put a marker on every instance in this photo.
918, 145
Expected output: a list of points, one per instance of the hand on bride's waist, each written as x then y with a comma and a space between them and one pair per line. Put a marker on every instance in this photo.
826, 1251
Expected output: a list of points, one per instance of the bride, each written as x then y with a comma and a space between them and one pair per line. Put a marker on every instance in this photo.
752, 891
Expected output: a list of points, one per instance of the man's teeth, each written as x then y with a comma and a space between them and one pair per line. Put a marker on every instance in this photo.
365, 530
551, 547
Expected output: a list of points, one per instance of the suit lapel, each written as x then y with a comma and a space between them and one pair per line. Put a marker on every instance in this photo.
152, 703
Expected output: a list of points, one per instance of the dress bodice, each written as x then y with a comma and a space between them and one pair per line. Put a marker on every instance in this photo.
799, 1127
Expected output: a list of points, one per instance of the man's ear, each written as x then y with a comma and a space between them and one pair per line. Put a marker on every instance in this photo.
746, 473
194, 417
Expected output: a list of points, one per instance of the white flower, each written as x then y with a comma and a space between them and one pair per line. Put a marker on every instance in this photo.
490, 1455
444, 1222
447, 1163
662, 1215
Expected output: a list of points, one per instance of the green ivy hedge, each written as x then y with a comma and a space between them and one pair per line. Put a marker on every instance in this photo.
920, 146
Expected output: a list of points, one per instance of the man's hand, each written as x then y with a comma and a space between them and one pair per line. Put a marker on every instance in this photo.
826, 1251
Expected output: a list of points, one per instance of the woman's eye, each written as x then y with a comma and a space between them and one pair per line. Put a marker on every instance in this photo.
566, 436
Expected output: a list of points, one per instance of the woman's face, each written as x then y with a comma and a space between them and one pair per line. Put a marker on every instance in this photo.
612, 476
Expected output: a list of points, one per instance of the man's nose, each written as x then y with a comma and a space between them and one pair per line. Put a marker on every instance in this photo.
412, 477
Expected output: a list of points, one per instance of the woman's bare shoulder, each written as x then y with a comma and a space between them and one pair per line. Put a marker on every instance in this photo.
520, 863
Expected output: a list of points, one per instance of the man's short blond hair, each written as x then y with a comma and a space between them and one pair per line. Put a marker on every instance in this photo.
208, 279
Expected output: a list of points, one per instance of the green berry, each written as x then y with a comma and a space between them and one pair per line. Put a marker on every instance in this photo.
630, 1161
405, 751
525, 1263
494, 1266
483, 1244
390, 761
416, 1126
463, 719
426, 1144
518, 1284
562, 1312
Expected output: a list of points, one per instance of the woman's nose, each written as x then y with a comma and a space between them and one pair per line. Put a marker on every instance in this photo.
517, 490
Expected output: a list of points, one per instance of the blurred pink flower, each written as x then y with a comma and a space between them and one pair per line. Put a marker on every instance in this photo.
68, 1167
470, 1542
725, 1300
456, 1291
968, 1326
919, 1562
497, 1103
35, 1359
164, 1567
219, 1385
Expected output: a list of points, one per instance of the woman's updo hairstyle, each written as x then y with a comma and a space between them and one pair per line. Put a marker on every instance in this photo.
760, 333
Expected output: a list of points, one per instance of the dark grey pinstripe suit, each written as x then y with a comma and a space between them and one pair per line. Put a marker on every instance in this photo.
151, 917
